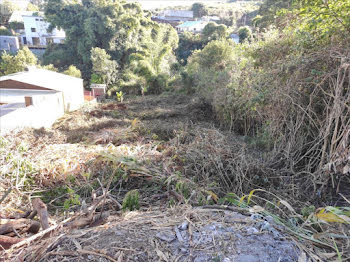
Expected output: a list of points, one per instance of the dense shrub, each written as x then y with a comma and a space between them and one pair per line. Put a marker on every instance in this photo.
284, 93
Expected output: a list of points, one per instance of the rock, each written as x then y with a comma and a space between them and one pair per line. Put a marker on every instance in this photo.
184, 225
256, 217
247, 258
167, 236
252, 230
270, 220
265, 226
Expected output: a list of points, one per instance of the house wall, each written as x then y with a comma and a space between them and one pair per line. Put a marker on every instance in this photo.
72, 89
9, 43
41, 31
44, 111
73, 93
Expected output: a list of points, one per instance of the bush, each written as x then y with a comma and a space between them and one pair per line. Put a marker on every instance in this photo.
131, 200
245, 34
73, 71
5, 31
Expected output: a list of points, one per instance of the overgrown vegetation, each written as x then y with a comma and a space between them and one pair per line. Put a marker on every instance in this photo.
279, 144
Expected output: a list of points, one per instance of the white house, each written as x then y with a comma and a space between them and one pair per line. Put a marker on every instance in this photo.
35, 32
36, 98
192, 26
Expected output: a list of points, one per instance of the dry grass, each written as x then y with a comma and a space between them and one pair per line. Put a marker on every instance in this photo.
193, 163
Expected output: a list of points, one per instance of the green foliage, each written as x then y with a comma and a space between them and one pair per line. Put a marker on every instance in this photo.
6, 9
16, 25
33, 7
73, 199
188, 42
245, 34
73, 71
324, 19
212, 31
15, 63
268, 11
103, 66
131, 200
199, 10
96, 79
16, 167
5, 31
50, 67
120, 96
183, 189
114, 40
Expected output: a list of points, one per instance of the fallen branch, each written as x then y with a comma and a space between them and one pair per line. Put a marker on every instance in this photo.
81, 251
6, 242
22, 225
40, 207
41, 234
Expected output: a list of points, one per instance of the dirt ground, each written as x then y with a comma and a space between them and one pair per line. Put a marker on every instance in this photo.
178, 234
145, 136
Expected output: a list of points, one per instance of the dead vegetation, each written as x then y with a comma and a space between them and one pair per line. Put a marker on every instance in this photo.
166, 147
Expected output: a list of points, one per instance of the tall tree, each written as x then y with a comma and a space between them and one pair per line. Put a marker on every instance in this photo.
117, 27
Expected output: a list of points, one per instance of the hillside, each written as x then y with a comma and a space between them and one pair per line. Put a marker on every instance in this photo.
202, 149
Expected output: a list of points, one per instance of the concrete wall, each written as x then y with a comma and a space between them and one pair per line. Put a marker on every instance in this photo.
9, 43
73, 93
46, 109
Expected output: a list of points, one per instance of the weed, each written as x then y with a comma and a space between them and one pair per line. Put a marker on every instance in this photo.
131, 200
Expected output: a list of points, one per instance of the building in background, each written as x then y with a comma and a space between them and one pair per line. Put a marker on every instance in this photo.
34, 33
174, 17
192, 26
9, 43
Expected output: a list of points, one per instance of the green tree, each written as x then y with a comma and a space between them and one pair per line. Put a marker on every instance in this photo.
199, 10
103, 66
33, 7
4, 31
73, 71
6, 9
244, 33
213, 31
103, 35
15, 63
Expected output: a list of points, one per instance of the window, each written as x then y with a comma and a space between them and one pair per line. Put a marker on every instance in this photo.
49, 40
36, 40
36, 19
33, 29
24, 40
41, 19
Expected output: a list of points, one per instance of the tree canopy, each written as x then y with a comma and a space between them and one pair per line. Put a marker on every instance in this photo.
118, 30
